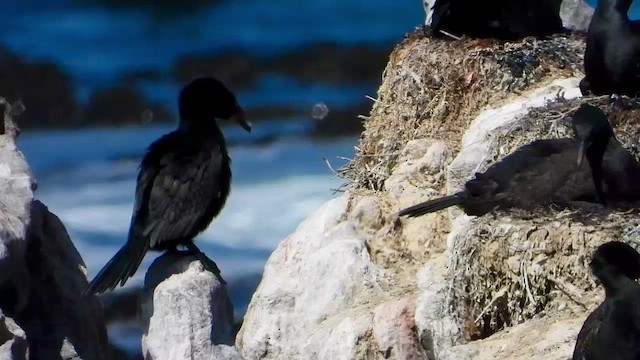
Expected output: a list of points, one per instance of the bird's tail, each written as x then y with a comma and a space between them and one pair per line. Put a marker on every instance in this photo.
431, 206
120, 268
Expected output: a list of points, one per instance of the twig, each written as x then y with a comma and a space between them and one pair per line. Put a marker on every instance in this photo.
497, 296
571, 291
330, 167
450, 35
372, 98
379, 155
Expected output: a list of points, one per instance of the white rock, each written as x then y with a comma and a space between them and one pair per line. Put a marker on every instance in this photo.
42, 276
186, 312
437, 330
576, 14
320, 271
418, 158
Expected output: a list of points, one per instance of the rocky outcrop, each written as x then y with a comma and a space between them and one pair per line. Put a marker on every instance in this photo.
45, 316
288, 319
356, 282
186, 312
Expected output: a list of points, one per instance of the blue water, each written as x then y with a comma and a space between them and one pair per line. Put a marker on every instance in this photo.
97, 46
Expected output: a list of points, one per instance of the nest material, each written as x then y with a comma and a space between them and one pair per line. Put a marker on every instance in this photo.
433, 88
509, 268
505, 271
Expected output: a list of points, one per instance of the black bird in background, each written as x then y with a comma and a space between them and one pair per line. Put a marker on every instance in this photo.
500, 19
612, 55
183, 183
612, 330
525, 178
617, 170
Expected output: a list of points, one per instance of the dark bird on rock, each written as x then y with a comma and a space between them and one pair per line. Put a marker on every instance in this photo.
526, 178
499, 19
617, 171
612, 330
612, 55
183, 183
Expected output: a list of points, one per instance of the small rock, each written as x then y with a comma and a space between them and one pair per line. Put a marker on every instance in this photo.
437, 329
393, 325
186, 311
367, 212
576, 14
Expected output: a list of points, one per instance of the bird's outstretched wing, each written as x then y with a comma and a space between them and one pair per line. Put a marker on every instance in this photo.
175, 191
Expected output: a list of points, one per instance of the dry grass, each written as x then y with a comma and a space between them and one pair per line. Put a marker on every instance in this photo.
508, 270
434, 88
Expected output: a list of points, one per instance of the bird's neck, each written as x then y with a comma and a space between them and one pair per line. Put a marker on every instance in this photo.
202, 128
613, 280
595, 155
612, 10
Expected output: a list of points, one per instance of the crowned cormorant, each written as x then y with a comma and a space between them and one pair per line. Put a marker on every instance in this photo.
183, 183
526, 178
612, 330
500, 19
612, 53
617, 170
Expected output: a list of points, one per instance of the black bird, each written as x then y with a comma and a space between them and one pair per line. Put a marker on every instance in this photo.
611, 58
500, 19
592, 127
612, 330
528, 177
617, 170
183, 183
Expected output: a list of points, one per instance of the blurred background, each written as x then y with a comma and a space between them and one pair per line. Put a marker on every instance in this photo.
99, 79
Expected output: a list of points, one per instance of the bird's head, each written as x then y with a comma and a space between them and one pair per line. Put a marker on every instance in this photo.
593, 130
207, 99
618, 256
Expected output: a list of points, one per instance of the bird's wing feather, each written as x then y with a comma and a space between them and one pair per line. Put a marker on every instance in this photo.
178, 190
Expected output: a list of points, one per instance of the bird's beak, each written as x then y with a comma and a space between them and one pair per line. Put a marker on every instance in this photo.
581, 151
239, 118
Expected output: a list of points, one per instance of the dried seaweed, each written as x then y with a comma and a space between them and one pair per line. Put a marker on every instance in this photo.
433, 88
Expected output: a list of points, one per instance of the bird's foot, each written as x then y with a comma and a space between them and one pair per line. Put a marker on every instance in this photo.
208, 264
211, 266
